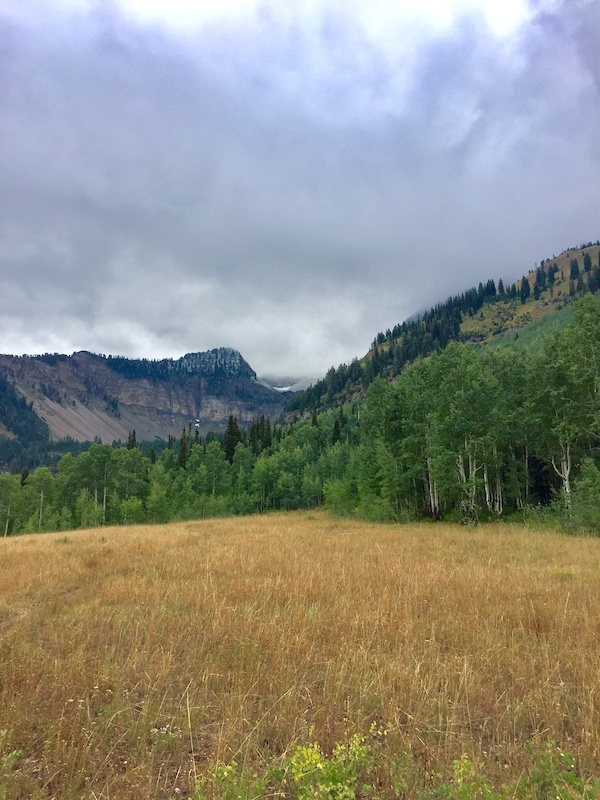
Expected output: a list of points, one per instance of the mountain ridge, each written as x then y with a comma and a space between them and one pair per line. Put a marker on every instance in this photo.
87, 396
478, 315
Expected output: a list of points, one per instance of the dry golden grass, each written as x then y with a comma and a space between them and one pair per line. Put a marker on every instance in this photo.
131, 657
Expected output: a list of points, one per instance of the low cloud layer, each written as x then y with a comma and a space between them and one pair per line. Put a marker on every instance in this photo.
287, 184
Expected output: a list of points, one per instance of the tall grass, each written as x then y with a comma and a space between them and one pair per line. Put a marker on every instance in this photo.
132, 658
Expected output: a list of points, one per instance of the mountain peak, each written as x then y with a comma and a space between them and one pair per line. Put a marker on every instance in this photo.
221, 360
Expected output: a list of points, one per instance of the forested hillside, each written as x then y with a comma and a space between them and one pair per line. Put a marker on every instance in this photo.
464, 432
487, 312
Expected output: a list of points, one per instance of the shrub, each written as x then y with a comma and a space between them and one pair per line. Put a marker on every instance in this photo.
585, 502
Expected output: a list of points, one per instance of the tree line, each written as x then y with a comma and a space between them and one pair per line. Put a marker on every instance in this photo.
483, 431
468, 432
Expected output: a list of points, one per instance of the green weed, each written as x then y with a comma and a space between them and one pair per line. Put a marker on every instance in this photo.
350, 771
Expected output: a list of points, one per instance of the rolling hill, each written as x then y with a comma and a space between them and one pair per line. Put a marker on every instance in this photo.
490, 313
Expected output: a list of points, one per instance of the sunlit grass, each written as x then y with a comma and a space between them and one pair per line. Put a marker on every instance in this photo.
131, 658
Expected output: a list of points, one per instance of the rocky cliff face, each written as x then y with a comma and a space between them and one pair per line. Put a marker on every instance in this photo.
87, 396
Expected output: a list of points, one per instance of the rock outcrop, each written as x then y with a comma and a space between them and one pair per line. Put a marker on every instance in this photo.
87, 396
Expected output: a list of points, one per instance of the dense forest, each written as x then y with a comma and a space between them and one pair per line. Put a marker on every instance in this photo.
468, 432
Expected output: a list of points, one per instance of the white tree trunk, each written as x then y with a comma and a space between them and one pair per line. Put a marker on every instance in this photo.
564, 472
434, 501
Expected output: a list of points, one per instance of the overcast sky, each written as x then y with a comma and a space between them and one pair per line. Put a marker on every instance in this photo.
286, 178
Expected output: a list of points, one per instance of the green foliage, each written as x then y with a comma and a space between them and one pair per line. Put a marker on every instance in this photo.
573, 269
584, 512
314, 776
391, 351
307, 774
233, 436
555, 777
363, 767
466, 784
466, 433
340, 498
23, 430
229, 782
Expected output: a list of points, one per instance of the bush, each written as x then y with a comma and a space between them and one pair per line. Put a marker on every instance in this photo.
339, 497
308, 774
555, 777
353, 770
583, 513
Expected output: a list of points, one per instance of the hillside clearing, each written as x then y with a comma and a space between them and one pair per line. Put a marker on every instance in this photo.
134, 657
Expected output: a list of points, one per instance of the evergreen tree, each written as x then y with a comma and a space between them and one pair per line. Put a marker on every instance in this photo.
232, 437
267, 439
183, 453
336, 433
525, 290
593, 283
254, 437
540, 284
574, 269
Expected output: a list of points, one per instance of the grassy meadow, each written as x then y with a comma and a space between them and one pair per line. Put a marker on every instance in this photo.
134, 658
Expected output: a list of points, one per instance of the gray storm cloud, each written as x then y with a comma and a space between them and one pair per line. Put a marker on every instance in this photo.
282, 186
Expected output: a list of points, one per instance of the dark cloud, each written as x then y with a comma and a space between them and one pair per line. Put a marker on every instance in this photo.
280, 185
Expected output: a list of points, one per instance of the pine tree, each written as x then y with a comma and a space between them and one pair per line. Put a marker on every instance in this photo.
336, 433
232, 437
540, 284
184, 452
254, 437
267, 438
574, 273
